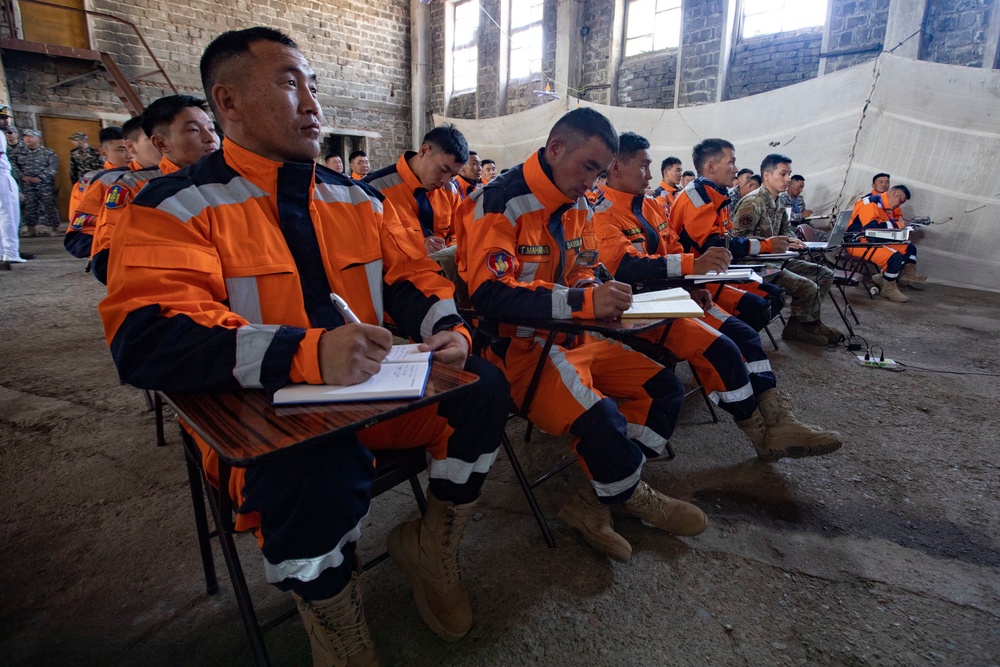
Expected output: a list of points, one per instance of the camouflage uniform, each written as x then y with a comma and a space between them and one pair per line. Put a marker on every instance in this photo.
82, 160
39, 206
760, 216
797, 205
16, 153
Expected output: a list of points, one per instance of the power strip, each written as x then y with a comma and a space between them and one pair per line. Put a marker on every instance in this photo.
875, 363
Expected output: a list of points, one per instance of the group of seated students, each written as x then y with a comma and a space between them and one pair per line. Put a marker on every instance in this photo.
220, 263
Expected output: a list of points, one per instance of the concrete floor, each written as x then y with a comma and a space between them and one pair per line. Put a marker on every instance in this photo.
884, 553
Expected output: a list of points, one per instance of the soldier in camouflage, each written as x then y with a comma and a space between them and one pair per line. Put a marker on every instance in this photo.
760, 216
83, 158
15, 149
38, 167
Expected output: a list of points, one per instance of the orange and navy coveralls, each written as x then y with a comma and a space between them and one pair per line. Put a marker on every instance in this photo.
119, 196
529, 252
427, 213
637, 245
869, 213
79, 235
666, 194
465, 188
700, 217
896, 214
80, 187
219, 277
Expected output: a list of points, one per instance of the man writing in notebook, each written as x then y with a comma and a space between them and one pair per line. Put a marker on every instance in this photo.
637, 245
220, 277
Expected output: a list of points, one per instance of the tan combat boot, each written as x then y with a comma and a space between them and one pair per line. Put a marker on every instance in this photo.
338, 632
593, 519
888, 289
787, 436
669, 514
796, 329
910, 278
426, 550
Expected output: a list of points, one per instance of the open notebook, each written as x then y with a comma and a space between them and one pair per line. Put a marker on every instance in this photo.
403, 374
664, 303
733, 274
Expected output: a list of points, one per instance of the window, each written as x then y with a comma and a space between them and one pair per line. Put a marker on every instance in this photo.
652, 25
465, 49
766, 17
525, 38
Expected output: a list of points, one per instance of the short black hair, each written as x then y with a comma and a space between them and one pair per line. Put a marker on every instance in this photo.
772, 160
798, 177
132, 127
669, 162
902, 188
487, 161
687, 173
742, 171
880, 175
471, 153
708, 149
163, 111
232, 44
449, 140
355, 154
330, 155
756, 179
112, 133
630, 142
586, 122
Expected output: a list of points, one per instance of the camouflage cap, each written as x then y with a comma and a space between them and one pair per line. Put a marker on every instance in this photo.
4, 110
78, 136
32, 133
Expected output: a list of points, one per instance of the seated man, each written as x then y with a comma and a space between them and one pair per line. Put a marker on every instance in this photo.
595, 195
115, 156
174, 131
880, 186
686, 178
79, 236
637, 245
792, 199
670, 183
358, 161
468, 179
422, 191
759, 216
739, 189
530, 252
489, 170
334, 162
700, 219
897, 262
220, 277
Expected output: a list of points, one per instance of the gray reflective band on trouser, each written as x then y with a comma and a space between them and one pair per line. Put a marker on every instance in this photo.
252, 341
308, 569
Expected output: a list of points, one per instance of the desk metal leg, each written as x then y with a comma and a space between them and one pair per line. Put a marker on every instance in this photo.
158, 414
201, 525
529, 395
526, 488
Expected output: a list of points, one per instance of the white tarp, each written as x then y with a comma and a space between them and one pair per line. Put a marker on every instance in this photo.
933, 127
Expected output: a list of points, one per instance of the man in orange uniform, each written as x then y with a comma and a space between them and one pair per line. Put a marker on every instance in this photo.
896, 261
670, 185
469, 178
220, 277
359, 164
489, 170
637, 245
174, 132
83, 217
700, 219
530, 252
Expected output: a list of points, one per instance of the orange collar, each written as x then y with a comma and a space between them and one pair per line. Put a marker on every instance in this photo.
167, 167
357, 177
404, 171
544, 189
619, 197
108, 165
257, 169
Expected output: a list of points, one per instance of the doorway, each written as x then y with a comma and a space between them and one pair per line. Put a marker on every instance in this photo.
55, 134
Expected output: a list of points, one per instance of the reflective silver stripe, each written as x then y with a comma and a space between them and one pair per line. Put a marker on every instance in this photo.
754, 247
439, 310
674, 268
603, 206
132, 178
612, 489
373, 271
252, 341
384, 182
584, 395
640, 245
244, 298
109, 177
528, 271
524, 332
647, 437
479, 211
734, 396
518, 206
333, 194
890, 276
458, 471
718, 313
560, 303
307, 569
693, 195
759, 366
194, 199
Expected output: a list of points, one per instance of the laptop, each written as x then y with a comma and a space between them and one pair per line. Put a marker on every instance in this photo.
836, 237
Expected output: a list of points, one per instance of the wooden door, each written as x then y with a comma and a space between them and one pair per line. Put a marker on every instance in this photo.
55, 134
51, 25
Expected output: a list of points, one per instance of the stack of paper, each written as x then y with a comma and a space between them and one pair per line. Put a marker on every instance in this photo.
733, 274
664, 303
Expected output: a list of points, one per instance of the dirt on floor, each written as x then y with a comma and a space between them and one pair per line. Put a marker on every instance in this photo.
884, 553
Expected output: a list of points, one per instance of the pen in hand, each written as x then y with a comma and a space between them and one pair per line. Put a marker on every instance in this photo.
344, 310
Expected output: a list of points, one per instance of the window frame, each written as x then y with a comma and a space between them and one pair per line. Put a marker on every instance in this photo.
651, 35
523, 29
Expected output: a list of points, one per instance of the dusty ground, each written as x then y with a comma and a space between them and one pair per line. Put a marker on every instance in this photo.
884, 553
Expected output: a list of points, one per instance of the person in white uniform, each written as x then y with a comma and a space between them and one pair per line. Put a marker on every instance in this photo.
10, 205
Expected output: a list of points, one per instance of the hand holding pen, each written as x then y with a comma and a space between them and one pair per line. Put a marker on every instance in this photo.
354, 352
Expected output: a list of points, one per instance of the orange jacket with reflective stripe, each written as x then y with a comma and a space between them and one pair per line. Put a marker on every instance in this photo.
869, 213
635, 240
219, 275
700, 218
528, 250
80, 187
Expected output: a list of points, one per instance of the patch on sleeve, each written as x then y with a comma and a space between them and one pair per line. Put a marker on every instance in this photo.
587, 258
746, 221
79, 220
500, 263
117, 197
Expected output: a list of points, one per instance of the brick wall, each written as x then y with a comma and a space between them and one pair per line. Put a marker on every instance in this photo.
702, 41
359, 49
955, 31
488, 81
598, 17
856, 25
462, 106
648, 81
773, 61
